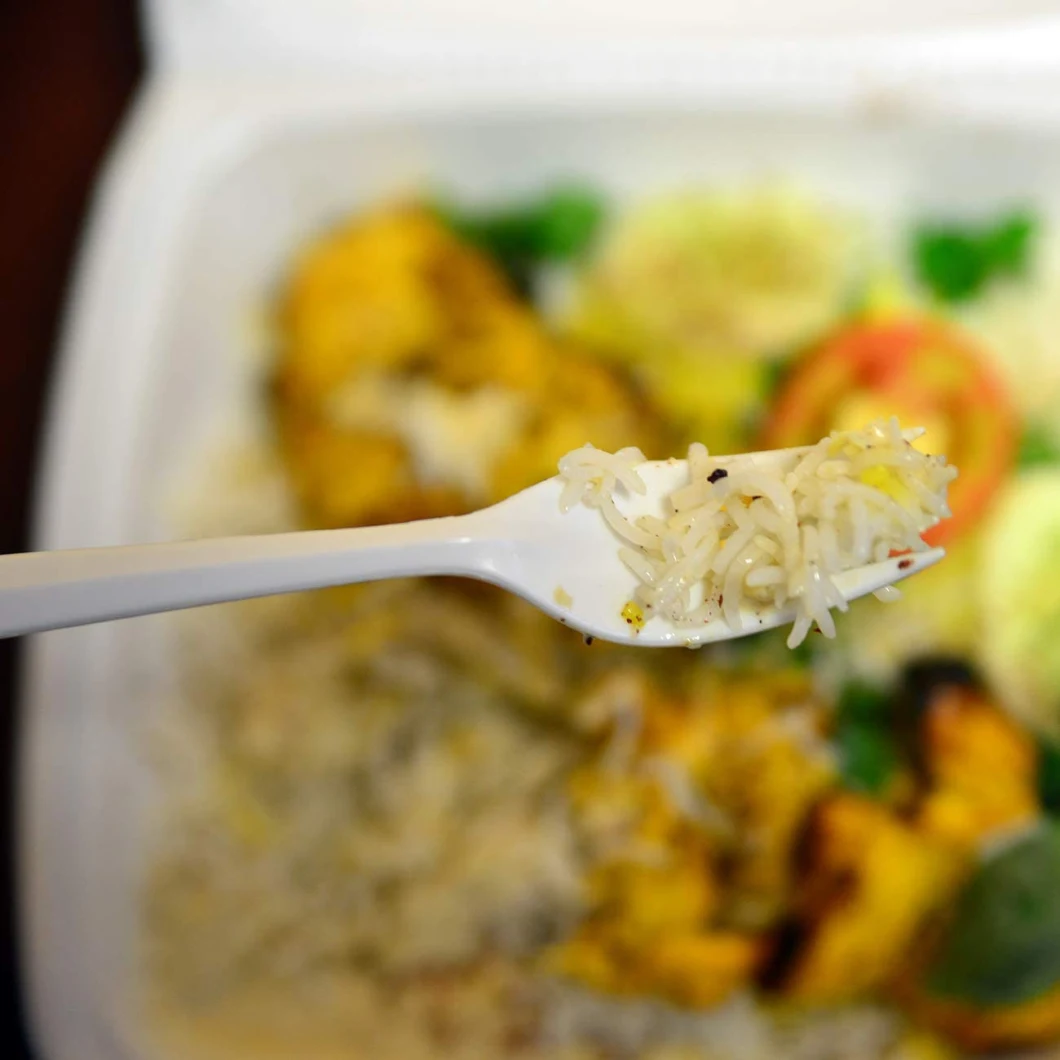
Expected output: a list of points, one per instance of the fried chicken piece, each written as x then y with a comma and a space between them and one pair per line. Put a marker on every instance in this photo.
871, 883
982, 769
411, 381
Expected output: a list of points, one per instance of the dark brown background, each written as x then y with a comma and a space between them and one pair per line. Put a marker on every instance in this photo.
68, 69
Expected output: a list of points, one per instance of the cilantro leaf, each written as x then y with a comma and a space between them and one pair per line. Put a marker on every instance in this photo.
558, 227
1038, 447
869, 754
956, 262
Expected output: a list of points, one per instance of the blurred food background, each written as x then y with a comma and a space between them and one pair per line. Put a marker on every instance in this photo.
430, 792
419, 819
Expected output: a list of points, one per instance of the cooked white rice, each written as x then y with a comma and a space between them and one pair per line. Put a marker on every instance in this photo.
749, 537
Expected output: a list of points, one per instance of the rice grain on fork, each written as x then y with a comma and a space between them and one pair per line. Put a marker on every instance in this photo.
736, 539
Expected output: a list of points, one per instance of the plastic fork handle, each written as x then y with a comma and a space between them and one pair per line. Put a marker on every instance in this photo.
49, 590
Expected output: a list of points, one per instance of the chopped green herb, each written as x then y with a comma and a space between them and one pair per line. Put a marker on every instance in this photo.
868, 758
1008, 244
869, 755
556, 228
769, 651
802, 655
948, 263
1049, 776
1003, 945
774, 374
567, 222
955, 262
1037, 447
863, 703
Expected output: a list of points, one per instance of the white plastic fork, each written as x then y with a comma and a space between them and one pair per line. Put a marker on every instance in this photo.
565, 564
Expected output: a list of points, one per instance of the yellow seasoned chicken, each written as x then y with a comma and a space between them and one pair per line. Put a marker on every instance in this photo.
770, 765
651, 929
696, 802
411, 381
870, 885
982, 769
754, 748
873, 882
984, 801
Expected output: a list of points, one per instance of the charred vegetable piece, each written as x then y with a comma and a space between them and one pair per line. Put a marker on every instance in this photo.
955, 262
1003, 947
924, 677
921, 681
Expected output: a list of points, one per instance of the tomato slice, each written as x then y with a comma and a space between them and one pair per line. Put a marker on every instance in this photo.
925, 372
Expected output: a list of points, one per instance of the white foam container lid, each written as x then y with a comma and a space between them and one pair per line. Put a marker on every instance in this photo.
261, 121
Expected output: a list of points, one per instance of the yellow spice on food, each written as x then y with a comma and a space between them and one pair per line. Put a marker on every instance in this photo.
887, 480
633, 615
983, 771
892, 877
412, 381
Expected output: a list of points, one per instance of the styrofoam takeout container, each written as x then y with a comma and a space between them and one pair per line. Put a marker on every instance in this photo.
259, 124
